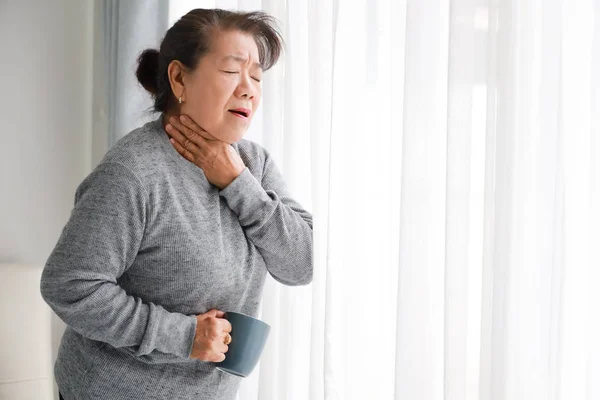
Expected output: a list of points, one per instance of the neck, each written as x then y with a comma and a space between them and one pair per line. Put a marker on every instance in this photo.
166, 116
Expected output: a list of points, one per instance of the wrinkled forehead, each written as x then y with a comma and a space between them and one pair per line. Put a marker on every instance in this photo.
240, 58
236, 47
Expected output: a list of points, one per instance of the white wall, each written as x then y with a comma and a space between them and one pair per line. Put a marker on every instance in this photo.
46, 140
45, 109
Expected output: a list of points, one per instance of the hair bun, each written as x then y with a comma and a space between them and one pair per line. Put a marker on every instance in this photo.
147, 70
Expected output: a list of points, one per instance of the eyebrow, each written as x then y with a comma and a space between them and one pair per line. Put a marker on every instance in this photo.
241, 59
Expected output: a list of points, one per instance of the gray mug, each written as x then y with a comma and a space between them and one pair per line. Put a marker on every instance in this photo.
248, 338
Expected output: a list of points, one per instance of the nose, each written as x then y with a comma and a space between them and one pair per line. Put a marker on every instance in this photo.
245, 88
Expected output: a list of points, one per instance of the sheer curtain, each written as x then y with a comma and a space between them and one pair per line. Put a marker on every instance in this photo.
449, 153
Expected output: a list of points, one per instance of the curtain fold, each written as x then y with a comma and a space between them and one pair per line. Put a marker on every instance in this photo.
129, 28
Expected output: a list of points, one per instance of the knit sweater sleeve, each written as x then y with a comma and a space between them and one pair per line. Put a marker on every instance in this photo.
98, 244
277, 224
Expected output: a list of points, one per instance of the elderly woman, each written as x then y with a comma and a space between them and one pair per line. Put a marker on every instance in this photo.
180, 221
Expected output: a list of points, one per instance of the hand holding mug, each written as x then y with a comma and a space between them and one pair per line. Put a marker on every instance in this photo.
212, 334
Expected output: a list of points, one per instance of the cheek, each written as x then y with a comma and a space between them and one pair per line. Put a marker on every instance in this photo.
256, 100
208, 103
223, 86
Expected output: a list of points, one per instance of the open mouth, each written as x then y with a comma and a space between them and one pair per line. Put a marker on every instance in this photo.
241, 112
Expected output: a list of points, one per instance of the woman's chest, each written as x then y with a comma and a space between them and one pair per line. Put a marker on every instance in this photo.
193, 245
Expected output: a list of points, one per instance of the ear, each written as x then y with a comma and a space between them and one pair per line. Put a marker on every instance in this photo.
176, 73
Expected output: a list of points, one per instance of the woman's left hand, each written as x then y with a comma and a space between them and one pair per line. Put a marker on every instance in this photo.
219, 160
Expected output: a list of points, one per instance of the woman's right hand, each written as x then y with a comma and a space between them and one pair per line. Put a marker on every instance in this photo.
209, 342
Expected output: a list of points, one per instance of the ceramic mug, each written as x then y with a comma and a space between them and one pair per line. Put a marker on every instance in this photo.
248, 338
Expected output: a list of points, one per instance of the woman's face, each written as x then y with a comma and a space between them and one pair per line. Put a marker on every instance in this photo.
223, 92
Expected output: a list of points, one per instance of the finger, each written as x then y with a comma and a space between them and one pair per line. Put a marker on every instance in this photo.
184, 152
177, 136
224, 337
226, 326
212, 313
190, 123
182, 139
221, 348
190, 134
215, 313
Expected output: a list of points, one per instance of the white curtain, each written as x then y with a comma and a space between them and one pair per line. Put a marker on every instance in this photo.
449, 151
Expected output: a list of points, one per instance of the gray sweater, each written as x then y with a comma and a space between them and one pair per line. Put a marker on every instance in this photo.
150, 243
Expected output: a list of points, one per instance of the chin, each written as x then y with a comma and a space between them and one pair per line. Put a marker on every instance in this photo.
233, 137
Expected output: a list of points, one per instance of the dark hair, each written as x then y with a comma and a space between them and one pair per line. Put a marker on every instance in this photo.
190, 38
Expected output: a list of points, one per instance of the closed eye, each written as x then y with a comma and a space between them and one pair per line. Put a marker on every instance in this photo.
236, 72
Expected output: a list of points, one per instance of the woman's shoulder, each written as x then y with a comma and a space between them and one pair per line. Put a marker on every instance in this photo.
131, 164
139, 150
